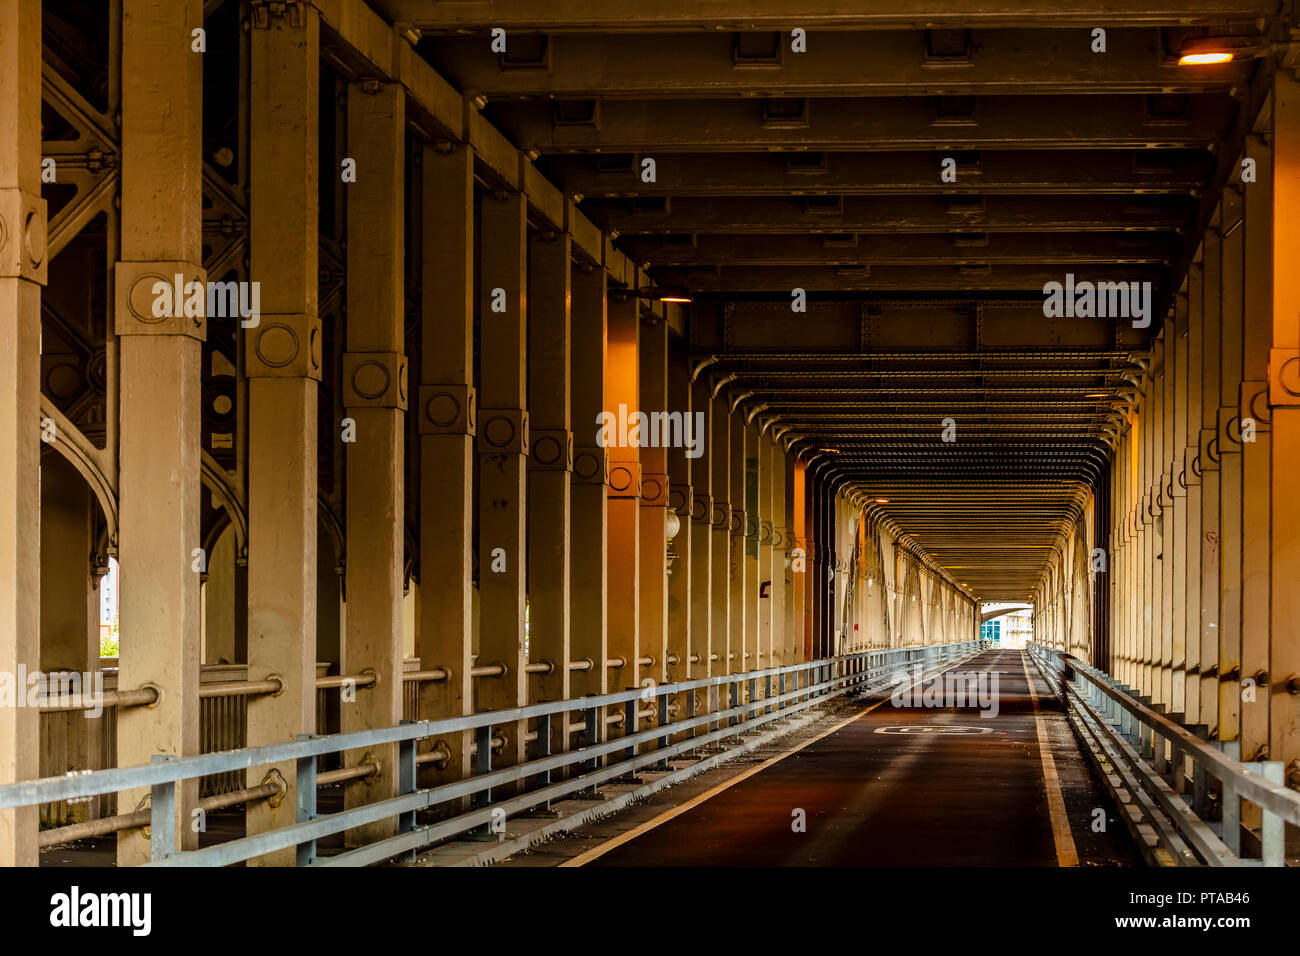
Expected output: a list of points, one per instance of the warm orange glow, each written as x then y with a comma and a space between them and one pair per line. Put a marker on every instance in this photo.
1203, 59
882, 501
676, 298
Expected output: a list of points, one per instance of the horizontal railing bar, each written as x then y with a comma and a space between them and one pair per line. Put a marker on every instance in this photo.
27, 793
424, 836
249, 847
1272, 797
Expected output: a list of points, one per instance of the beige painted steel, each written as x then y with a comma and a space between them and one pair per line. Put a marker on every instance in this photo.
22, 214
1230, 466
652, 562
1284, 424
549, 465
681, 576
701, 539
374, 399
1256, 544
589, 615
623, 584
161, 397
503, 444
721, 608
283, 364
1211, 552
445, 414
739, 640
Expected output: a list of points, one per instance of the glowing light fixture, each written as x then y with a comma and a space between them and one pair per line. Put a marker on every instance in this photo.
1210, 51
1204, 59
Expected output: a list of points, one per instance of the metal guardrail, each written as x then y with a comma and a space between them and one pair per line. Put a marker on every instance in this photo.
797, 688
1151, 754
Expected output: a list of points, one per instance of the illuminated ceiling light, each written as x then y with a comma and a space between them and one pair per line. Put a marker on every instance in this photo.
1205, 59
674, 294
881, 501
1208, 51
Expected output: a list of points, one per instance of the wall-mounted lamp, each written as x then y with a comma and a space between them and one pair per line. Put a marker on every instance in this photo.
672, 525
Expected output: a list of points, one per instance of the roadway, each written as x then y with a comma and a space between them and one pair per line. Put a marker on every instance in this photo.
899, 786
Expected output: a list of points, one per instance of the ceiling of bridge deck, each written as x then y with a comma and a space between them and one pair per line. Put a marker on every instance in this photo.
823, 171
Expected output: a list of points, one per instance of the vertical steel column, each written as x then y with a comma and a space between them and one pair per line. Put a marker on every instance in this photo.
701, 567
780, 547
622, 401
720, 607
282, 359
23, 271
742, 506
503, 445
1284, 412
549, 502
445, 419
1176, 536
1253, 407
1211, 553
797, 510
755, 513
767, 599
374, 399
681, 573
1230, 465
588, 615
1192, 477
652, 561
160, 371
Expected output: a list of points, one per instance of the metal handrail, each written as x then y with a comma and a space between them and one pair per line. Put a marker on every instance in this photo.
823, 677
1111, 704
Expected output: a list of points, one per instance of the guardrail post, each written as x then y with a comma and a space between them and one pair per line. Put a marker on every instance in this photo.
1272, 834
690, 711
1231, 802
591, 737
306, 801
1200, 780
544, 751
482, 765
750, 709
406, 785
780, 690
663, 722
630, 708
734, 697
162, 814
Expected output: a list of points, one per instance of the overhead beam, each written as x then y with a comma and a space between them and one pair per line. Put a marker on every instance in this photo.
868, 174
912, 250
896, 214
892, 278
584, 16
887, 325
837, 63
883, 123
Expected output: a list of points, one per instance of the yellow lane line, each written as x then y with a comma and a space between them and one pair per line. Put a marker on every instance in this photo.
1066, 854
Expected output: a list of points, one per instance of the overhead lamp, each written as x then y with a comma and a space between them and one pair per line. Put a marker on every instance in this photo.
675, 294
881, 501
1208, 51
